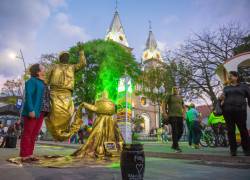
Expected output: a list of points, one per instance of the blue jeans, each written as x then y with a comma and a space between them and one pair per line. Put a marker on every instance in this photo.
195, 132
189, 133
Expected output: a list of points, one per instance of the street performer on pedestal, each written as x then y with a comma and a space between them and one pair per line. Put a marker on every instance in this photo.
61, 81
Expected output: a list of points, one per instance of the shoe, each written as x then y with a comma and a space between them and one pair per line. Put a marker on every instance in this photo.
178, 150
233, 153
26, 160
34, 159
196, 146
172, 147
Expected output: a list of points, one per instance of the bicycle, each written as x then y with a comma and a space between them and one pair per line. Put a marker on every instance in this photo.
207, 137
222, 139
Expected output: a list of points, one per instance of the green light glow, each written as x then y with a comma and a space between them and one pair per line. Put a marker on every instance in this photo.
114, 165
106, 64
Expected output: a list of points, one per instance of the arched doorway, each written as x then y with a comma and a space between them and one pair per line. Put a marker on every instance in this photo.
244, 71
146, 118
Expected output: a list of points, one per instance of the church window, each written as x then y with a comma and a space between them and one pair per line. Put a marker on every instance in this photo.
143, 101
158, 55
121, 38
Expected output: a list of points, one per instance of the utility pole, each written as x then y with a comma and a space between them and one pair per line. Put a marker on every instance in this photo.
25, 70
22, 58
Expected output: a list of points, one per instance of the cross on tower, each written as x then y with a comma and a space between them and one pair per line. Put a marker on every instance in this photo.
150, 25
116, 5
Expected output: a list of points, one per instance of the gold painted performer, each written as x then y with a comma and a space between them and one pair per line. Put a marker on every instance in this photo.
105, 131
61, 81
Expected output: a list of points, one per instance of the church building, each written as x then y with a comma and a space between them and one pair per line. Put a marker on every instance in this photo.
151, 57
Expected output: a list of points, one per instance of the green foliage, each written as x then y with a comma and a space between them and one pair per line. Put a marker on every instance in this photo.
138, 120
157, 82
106, 63
244, 47
9, 100
135, 136
151, 80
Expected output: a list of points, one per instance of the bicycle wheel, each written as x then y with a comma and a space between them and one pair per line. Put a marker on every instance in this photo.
222, 141
212, 141
203, 140
211, 138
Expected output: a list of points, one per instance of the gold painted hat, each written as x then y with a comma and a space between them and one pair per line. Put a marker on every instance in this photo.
62, 53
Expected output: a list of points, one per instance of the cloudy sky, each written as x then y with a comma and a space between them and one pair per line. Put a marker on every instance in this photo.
50, 26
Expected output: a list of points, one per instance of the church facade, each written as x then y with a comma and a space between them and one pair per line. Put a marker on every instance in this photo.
151, 57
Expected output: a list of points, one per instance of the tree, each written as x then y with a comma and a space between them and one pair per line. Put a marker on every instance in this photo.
151, 82
139, 124
107, 61
13, 88
244, 47
203, 53
156, 82
48, 59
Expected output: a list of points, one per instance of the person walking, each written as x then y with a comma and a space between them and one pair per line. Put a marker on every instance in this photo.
33, 111
5, 129
234, 108
17, 128
10, 139
188, 127
193, 117
173, 111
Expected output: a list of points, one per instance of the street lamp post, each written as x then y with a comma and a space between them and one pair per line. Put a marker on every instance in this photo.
22, 58
23, 96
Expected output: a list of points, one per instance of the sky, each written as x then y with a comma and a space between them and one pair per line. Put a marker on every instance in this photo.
50, 26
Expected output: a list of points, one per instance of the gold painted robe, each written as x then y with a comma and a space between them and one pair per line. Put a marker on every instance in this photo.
61, 82
104, 130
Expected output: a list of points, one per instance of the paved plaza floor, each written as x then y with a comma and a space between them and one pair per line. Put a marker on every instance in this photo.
157, 168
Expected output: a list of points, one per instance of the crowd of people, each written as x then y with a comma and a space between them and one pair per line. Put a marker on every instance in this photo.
232, 112
12, 131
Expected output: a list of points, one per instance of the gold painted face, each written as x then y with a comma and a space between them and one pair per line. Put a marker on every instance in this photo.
64, 57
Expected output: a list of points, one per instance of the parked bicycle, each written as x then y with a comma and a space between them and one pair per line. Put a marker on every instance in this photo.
222, 140
207, 137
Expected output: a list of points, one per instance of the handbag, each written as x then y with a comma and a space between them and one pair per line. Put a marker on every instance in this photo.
46, 106
218, 108
11, 141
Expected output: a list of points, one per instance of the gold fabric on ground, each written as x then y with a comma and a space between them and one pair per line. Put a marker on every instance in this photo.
61, 81
66, 162
104, 130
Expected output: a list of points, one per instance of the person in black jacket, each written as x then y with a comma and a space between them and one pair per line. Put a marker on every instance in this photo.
234, 106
